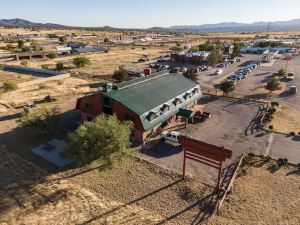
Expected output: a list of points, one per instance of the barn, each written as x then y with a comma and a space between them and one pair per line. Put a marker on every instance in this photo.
147, 101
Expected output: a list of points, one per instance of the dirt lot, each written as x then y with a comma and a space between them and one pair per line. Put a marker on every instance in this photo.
266, 195
134, 193
286, 120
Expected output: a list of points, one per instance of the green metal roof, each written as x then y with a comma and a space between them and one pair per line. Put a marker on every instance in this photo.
149, 93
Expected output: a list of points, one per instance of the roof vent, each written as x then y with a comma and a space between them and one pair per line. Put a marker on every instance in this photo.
107, 87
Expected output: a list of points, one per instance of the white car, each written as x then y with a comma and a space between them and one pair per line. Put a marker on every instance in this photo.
218, 72
290, 76
170, 136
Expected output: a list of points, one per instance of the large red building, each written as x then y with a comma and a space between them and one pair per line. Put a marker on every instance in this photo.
147, 101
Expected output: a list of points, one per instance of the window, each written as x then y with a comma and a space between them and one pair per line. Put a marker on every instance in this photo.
88, 105
107, 110
151, 116
187, 96
106, 100
165, 108
177, 101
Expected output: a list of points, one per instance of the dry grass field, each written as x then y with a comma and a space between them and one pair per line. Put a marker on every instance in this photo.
286, 120
265, 195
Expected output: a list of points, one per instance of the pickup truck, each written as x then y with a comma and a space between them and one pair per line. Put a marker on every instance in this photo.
202, 115
170, 136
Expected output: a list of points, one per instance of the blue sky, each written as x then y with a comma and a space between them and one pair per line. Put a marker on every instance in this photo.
148, 13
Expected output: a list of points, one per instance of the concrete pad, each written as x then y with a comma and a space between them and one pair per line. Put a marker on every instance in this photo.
53, 156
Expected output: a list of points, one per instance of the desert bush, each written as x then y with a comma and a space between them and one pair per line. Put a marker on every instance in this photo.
81, 61
273, 104
10, 85
282, 162
42, 86
45, 66
52, 55
292, 133
59, 66
24, 62
271, 127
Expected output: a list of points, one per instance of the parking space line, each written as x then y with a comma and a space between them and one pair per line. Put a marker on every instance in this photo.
268, 143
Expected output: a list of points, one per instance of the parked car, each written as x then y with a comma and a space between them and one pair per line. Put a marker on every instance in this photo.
293, 90
218, 72
238, 60
221, 65
202, 115
290, 76
184, 69
170, 136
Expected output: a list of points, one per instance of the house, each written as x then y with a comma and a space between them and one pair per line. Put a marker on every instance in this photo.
150, 102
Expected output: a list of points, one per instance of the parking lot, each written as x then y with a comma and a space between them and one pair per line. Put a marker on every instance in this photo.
233, 125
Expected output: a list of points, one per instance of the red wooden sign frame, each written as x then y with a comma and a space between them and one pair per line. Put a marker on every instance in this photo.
204, 153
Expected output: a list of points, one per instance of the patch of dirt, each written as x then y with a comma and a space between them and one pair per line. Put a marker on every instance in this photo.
263, 197
134, 193
286, 120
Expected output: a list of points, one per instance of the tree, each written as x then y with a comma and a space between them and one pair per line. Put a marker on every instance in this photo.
281, 73
62, 40
59, 66
20, 44
237, 47
81, 61
106, 40
41, 121
273, 85
215, 57
52, 55
177, 48
191, 74
24, 62
104, 138
1, 67
10, 85
227, 86
120, 75
25, 49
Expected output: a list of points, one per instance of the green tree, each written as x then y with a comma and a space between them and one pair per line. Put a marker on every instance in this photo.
120, 75
273, 85
20, 44
24, 62
281, 73
191, 74
62, 40
81, 61
215, 57
227, 86
59, 66
25, 49
177, 48
106, 40
237, 47
10, 85
41, 121
104, 138
52, 55
1, 67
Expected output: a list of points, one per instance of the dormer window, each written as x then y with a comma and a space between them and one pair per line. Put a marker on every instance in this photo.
195, 91
187, 96
177, 101
165, 108
151, 116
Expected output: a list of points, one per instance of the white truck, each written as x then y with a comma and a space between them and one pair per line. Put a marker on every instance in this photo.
170, 136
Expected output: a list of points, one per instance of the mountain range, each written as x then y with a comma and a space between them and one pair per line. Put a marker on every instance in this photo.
218, 27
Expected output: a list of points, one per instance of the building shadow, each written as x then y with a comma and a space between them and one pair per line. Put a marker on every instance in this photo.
162, 150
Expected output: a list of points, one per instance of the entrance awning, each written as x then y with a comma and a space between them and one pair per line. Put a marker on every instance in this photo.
186, 113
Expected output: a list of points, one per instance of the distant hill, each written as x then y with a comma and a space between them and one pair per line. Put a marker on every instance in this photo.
25, 23
219, 27
239, 27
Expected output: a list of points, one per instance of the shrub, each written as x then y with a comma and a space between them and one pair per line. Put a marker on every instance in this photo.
41, 121
10, 85
120, 75
45, 66
266, 158
24, 62
273, 104
81, 61
42, 86
282, 162
273, 85
271, 127
272, 110
60, 82
298, 166
292, 133
52, 55
227, 86
59, 66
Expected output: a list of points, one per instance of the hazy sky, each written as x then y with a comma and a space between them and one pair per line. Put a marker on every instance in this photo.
148, 13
